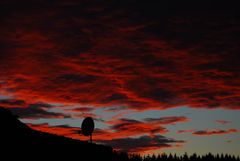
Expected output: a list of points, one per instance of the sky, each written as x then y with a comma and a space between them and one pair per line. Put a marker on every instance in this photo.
157, 77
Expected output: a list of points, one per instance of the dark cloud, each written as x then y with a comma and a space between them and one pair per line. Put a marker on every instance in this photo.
117, 108
184, 131
36, 111
24, 109
214, 132
135, 127
149, 126
74, 78
208, 132
115, 97
86, 114
167, 120
141, 144
12, 103
223, 122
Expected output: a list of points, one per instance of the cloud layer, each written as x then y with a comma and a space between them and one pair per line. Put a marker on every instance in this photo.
93, 54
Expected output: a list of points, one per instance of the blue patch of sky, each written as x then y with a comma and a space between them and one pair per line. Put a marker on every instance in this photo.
3, 97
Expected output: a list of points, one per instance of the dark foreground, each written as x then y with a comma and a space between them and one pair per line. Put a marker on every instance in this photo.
18, 141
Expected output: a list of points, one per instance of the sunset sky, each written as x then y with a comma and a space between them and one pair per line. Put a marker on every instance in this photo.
156, 77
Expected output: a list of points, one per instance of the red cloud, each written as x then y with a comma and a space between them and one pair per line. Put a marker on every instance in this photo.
110, 80
101, 63
81, 109
214, 132
71, 132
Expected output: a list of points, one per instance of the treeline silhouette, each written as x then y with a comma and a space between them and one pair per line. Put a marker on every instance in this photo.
170, 157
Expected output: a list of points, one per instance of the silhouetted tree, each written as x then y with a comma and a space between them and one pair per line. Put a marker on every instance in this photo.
185, 157
123, 156
175, 158
170, 157
154, 158
135, 157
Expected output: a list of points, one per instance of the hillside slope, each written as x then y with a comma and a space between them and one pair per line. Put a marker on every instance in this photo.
18, 140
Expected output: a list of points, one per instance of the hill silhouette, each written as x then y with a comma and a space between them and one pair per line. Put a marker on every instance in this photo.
18, 140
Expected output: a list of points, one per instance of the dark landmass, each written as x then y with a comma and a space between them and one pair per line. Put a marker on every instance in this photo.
20, 141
